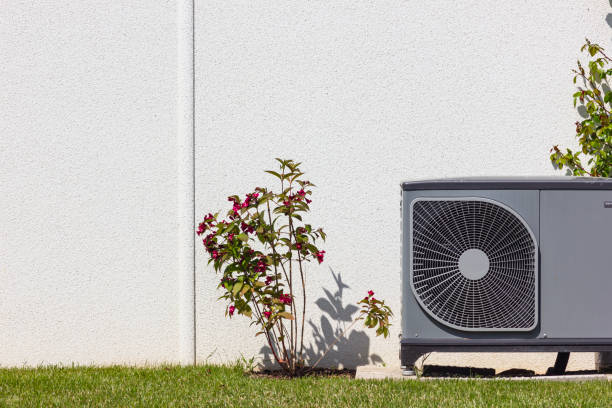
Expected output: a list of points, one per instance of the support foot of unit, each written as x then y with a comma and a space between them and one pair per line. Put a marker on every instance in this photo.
560, 364
408, 359
603, 362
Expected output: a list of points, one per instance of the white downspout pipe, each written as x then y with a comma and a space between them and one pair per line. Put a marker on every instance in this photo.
186, 180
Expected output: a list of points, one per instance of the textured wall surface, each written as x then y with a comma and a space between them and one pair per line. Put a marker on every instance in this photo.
88, 182
95, 168
368, 94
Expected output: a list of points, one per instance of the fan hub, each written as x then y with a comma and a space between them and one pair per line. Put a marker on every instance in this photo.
473, 264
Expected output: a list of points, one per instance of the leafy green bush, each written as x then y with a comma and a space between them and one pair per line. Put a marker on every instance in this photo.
594, 133
261, 249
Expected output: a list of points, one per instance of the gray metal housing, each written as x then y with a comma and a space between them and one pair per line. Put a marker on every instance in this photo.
571, 219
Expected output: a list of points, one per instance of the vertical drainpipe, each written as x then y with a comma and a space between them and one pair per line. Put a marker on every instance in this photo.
186, 180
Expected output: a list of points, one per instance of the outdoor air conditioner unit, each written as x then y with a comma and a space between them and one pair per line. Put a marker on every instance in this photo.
506, 264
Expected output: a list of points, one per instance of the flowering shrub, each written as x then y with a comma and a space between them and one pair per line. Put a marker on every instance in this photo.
375, 313
260, 248
594, 133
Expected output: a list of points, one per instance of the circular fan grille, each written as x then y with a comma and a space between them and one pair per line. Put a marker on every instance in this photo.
474, 264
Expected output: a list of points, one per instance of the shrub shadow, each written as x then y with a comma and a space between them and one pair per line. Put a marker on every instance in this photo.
609, 16
350, 351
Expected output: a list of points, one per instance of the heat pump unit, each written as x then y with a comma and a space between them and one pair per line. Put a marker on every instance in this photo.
506, 264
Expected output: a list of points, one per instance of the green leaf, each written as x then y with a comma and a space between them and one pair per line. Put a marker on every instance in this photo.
236, 288
243, 237
322, 234
286, 315
275, 174
296, 175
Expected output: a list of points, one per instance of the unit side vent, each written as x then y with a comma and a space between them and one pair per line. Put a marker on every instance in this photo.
474, 264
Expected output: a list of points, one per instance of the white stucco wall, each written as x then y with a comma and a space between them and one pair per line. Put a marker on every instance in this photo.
97, 159
88, 182
368, 94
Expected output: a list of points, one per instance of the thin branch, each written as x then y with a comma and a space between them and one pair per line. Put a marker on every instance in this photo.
304, 299
273, 246
270, 343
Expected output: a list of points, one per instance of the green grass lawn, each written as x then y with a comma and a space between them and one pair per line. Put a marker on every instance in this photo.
214, 386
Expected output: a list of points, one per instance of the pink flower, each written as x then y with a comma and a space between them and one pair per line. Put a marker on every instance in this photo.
370, 293
269, 280
261, 266
320, 256
308, 201
215, 254
249, 198
247, 228
209, 243
204, 225
202, 228
286, 203
301, 192
230, 238
298, 246
267, 314
285, 298
231, 310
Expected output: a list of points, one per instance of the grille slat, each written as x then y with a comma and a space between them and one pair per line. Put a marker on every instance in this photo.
495, 286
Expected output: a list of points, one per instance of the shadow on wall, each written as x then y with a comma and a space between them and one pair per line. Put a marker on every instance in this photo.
609, 16
350, 351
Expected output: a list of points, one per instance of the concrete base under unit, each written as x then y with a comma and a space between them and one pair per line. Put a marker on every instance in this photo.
395, 373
